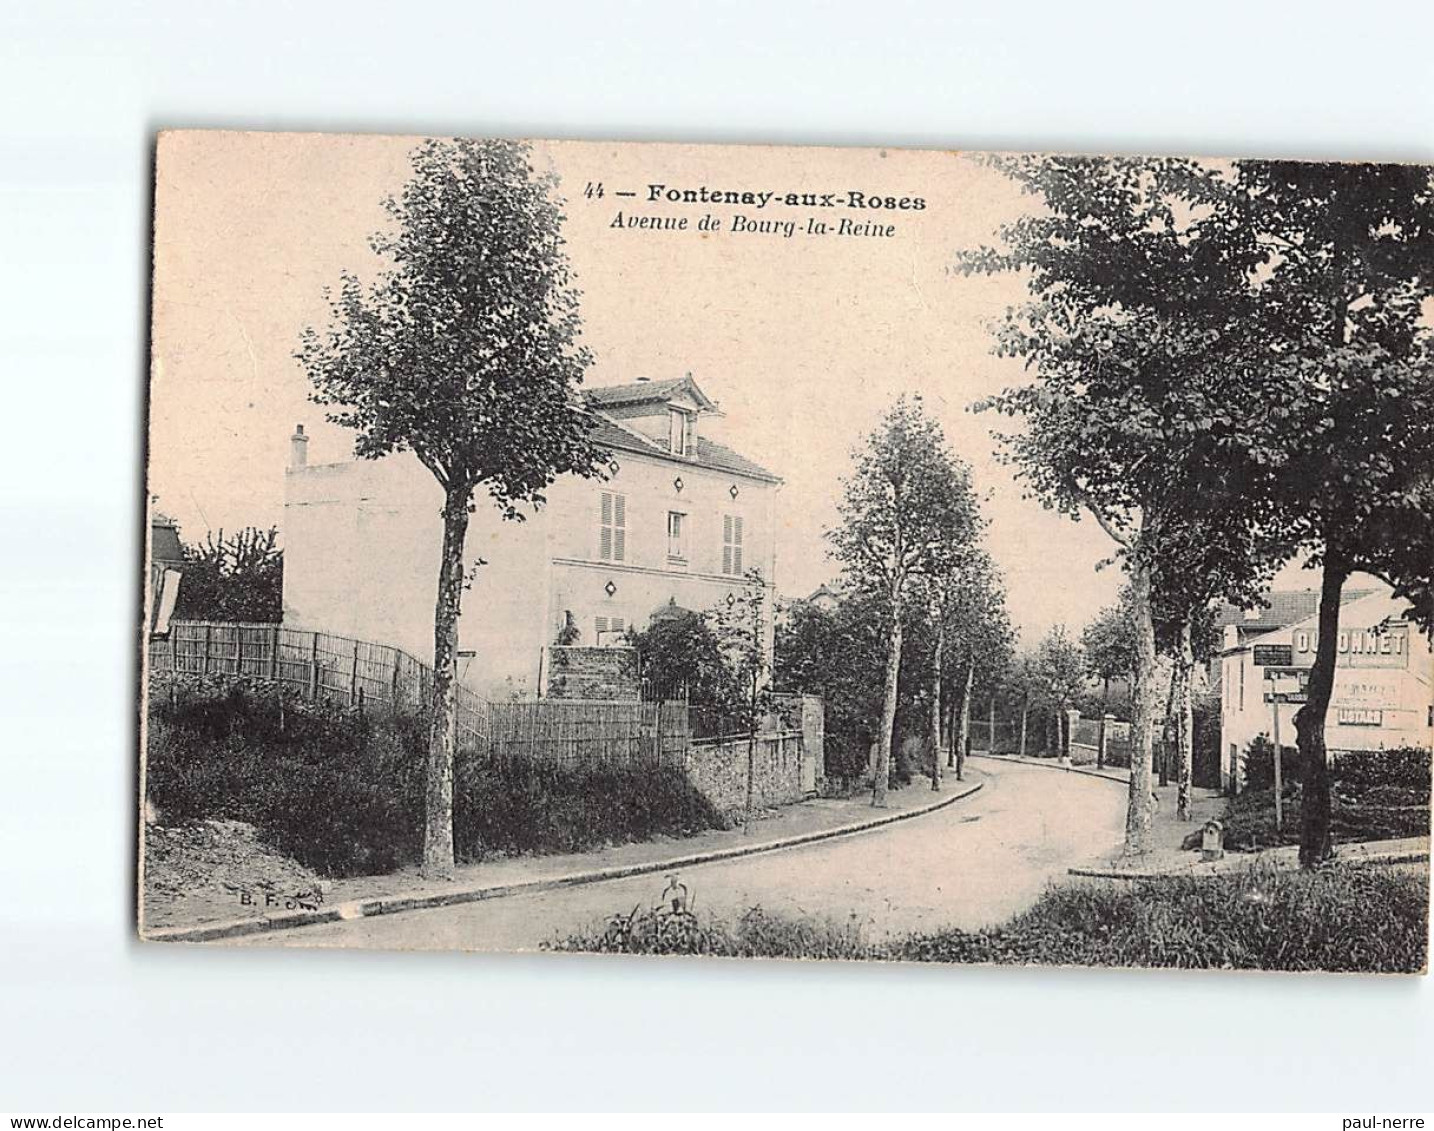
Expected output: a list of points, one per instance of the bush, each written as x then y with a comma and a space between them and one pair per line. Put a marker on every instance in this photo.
337, 791
1352, 772
519, 806
344, 794
1406, 766
1259, 761
757, 934
1249, 820
1365, 920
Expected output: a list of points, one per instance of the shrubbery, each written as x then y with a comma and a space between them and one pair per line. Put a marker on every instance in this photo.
1404, 766
518, 806
756, 934
322, 783
1375, 795
1368, 920
343, 793
1347, 919
1259, 763
1354, 772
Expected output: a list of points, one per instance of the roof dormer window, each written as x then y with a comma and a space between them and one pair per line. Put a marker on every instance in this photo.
679, 432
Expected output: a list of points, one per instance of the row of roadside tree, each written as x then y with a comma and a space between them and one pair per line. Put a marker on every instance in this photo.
1232, 369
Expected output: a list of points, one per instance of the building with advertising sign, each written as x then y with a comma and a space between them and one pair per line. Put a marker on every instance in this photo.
1383, 686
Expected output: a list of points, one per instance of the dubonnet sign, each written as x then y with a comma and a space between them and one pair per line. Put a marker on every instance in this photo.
1384, 645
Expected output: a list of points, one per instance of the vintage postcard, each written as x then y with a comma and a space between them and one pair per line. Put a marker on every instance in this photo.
865, 554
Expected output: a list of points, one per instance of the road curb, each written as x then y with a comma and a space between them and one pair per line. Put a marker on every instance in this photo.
423, 900
1242, 861
1049, 765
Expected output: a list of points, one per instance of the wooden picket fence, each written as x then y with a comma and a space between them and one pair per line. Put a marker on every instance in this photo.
588, 733
383, 679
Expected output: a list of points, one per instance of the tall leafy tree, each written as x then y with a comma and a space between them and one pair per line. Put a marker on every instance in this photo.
1342, 304
838, 653
464, 351
907, 510
234, 577
682, 656
1061, 673
1108, 643
976, 640
1145, 396
1022, 683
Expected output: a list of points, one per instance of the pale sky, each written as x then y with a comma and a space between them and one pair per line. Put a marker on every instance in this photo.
803, 341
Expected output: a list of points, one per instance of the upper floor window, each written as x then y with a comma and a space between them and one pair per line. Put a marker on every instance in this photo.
676, 535
679, 432
732, 544
612, 540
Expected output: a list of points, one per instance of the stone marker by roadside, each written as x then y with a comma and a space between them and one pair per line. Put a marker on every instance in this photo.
1212, 840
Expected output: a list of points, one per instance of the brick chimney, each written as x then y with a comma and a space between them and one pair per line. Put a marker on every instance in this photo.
298, 449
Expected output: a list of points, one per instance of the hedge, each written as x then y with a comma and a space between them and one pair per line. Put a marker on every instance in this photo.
343, 793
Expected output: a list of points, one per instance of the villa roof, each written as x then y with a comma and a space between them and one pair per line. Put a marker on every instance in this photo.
612, 432
646, 392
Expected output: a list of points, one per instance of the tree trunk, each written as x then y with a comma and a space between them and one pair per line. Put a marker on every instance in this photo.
936, 702
991, 726
951, 731
1310, 719
965, 736
1140, 811
1104, 710
1025, 714
1184, 724
751, 774
442, 733
882, 773
1165, 729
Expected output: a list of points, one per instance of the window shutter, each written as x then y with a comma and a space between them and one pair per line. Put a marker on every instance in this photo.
612, 538
599, 624
726, 543
736, 544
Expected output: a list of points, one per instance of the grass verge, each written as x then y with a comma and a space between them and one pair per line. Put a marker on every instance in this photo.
1349, 919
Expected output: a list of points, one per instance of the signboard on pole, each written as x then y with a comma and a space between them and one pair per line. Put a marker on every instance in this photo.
1287, 685
1273, 655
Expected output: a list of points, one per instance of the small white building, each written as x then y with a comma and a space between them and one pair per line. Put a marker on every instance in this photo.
1383, 687
678, 518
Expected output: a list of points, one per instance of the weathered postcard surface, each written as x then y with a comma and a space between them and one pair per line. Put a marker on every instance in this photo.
794, 552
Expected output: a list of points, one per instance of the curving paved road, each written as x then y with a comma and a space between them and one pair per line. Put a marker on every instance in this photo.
975, 862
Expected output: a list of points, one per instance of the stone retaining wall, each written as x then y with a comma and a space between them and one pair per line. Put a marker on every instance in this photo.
719, 772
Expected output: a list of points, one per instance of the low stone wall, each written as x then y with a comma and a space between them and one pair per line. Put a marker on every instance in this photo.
719, 772
575, 672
